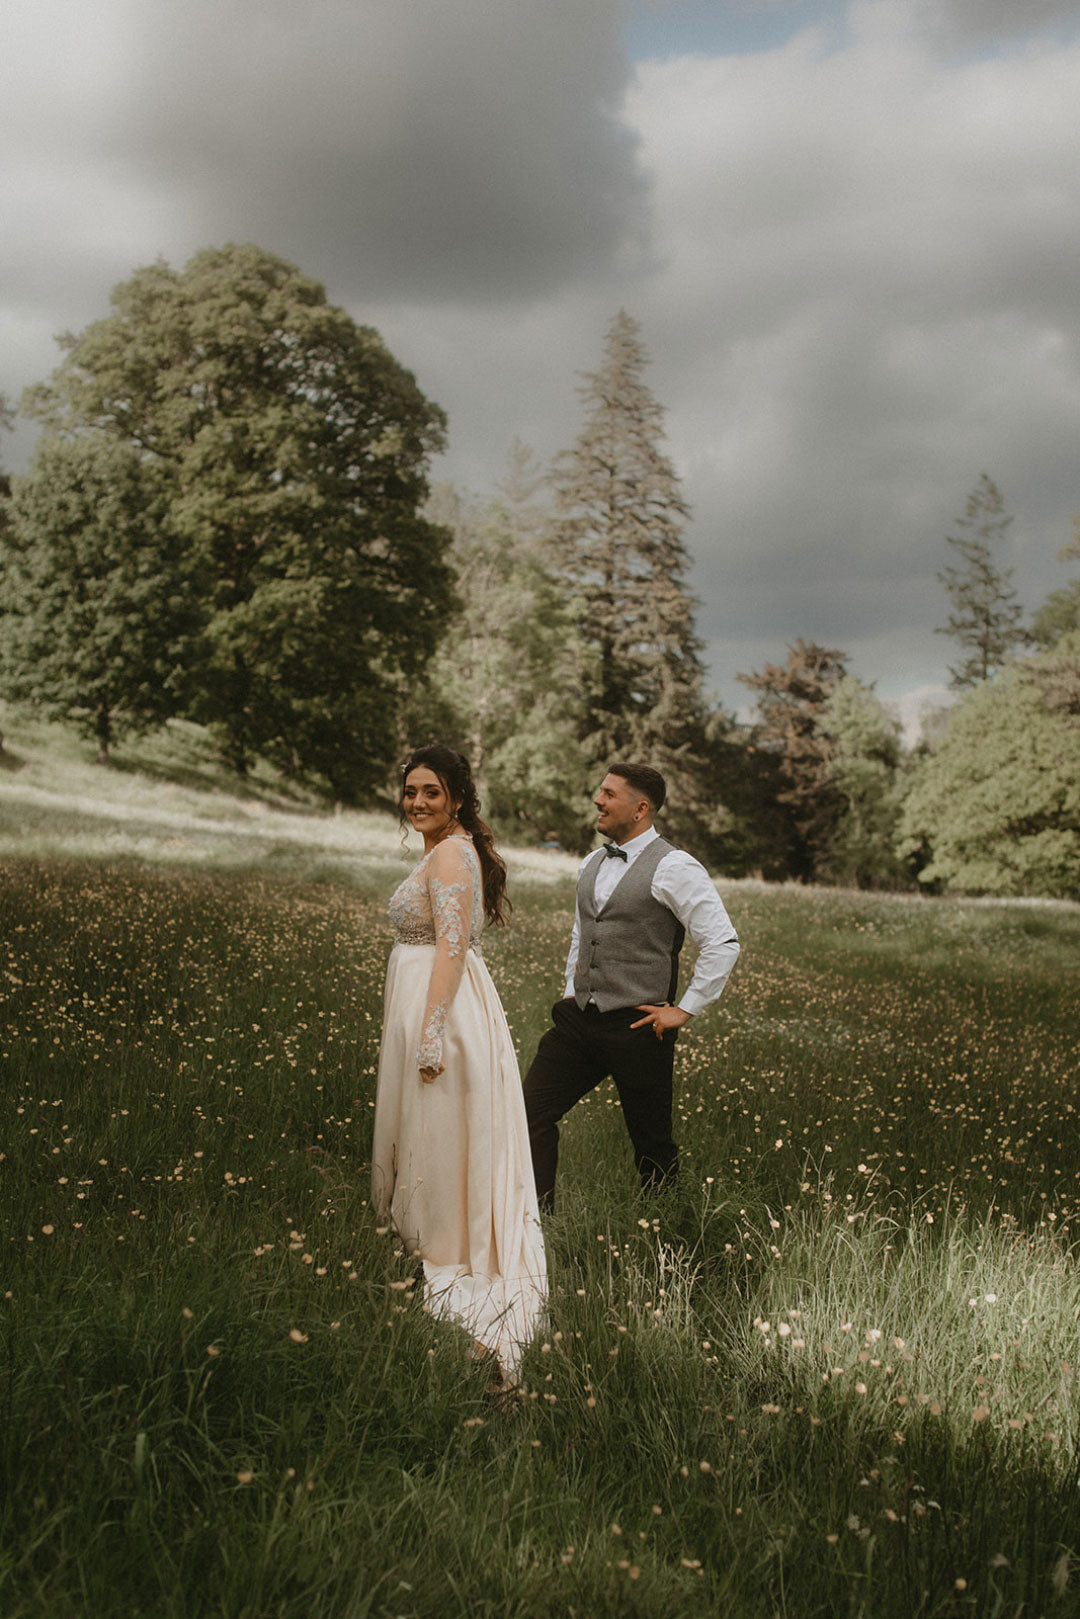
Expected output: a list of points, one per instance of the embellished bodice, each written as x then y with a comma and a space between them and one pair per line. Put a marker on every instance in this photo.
424, 906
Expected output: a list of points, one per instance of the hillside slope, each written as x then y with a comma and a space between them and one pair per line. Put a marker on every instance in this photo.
167, 800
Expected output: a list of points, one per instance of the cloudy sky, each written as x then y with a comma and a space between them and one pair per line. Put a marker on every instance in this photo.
850, 230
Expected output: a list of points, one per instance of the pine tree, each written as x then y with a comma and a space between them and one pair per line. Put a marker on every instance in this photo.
619, 519
791, 702
524, 492
986, 615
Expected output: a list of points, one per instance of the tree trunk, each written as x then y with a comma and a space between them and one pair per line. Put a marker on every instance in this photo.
102, 728
236, 748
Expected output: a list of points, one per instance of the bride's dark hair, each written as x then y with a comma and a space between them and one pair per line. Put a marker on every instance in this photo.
456, 780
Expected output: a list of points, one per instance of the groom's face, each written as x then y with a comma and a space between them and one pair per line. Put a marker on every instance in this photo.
621, 812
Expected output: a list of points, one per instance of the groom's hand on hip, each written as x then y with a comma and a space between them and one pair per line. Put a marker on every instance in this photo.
661, 1018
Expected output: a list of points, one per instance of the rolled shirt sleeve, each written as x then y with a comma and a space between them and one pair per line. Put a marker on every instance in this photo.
682, 884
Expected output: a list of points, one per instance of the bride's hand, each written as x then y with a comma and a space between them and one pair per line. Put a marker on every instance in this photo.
430, 1075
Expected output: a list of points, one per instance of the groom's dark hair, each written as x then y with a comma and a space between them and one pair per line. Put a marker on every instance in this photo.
644, 779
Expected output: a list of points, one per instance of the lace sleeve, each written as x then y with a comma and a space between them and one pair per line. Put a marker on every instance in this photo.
450, 880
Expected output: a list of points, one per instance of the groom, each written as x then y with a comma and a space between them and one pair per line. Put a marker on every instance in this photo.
637, 898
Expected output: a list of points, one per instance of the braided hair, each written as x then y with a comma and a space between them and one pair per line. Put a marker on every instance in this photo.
456, 780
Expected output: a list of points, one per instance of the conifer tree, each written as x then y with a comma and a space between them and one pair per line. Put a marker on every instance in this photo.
619, 520
524, 492
986, 616
791, 702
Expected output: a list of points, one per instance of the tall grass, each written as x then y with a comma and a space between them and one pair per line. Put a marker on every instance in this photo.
832, 1372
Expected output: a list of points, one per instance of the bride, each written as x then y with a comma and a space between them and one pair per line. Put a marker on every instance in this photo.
451, 1161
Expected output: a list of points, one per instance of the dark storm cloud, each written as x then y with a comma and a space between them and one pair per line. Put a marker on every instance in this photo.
451, 149
866, 301
976, 22
852, 252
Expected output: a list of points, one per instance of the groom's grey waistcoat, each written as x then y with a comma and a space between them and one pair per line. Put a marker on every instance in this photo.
628, 952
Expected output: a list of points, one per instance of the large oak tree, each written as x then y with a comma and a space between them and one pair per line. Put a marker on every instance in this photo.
292, 449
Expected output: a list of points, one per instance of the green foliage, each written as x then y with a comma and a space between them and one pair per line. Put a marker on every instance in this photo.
750, 832
1057, 676
864, 767
996, 809
831, 755
98, 623
617, 536
790, 703
1059, 615
985, 619
502, 686
292, 448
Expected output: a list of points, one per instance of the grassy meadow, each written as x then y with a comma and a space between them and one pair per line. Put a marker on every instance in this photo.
832, 1373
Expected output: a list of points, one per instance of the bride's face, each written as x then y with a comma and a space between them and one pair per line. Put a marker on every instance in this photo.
427, 803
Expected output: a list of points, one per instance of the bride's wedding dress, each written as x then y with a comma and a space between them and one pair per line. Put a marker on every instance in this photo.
451, 1162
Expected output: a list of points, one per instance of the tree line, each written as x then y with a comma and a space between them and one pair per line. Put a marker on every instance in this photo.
228, 519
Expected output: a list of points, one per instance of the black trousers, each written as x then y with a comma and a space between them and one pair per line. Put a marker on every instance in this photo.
577, 1052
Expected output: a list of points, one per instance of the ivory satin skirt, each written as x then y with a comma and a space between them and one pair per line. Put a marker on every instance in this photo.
451, 1165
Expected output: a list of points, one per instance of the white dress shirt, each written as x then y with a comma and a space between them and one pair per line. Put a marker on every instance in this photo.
682, 884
